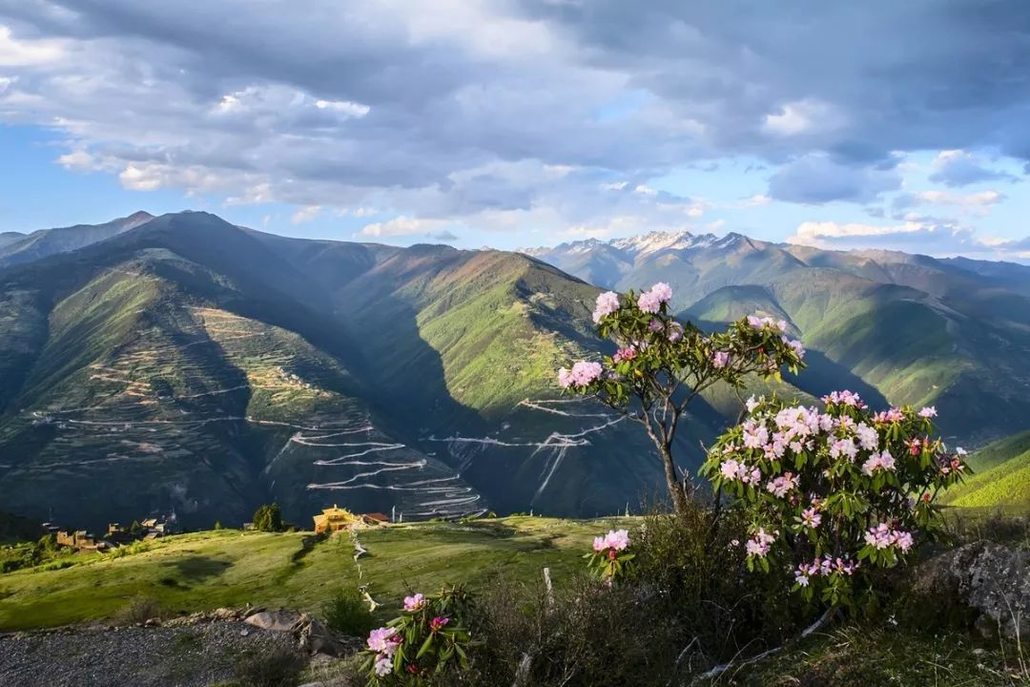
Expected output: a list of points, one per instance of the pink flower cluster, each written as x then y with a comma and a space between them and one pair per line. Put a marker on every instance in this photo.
607, 303
780, 486
675, 334
878, 461
414, 603
384, 641
720, 359
582, 374
928, 412
615, 540
759, 544
825, 567
734, 470
438, 623
757, 322
627, 353
847, 398
795, 345
651, 301
886, 417
883, 536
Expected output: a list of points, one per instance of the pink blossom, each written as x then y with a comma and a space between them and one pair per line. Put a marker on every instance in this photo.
730, 469
878, 461
627, 353
843, 447
438, 623
780, 486
720, 359
884, 536
795, 346
867, 437
607, 303
675, 332
757, 322
383, 666
928, 412
889, 416
655, 326
753, 403
759, 544
617, 540
382, 640
582, 374
599, 544
847, 398
414, 603
811, 518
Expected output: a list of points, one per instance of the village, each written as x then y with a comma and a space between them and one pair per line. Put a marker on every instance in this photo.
330, 521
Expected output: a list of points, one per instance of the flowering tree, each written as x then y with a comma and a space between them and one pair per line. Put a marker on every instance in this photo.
832, 493
661, 365
425, 640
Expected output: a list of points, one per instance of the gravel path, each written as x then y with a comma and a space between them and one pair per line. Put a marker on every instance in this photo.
189, 656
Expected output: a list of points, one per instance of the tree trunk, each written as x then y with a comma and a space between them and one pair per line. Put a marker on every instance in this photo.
672, 480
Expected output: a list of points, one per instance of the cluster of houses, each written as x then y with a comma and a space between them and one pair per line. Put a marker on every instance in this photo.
116, 535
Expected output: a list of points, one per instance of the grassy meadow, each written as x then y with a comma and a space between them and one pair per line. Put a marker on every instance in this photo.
206, 570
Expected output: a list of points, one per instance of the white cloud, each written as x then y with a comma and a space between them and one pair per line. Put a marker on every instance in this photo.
306, 214
26, 53
403, 226
807, 116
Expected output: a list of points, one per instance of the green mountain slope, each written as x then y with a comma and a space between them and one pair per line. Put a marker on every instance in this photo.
1001, 477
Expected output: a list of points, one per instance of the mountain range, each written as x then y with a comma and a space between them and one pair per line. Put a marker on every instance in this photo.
952, 333
183, 363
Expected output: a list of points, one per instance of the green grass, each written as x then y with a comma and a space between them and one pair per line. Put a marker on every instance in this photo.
861, 656
231, 568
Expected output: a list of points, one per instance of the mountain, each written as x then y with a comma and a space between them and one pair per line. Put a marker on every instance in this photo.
898, 327
17, 249
189, 365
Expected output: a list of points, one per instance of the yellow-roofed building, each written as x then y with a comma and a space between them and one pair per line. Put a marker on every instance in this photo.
335, 519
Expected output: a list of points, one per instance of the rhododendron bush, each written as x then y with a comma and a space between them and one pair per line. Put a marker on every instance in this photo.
661, 365
835, 493
427, 639
610, 556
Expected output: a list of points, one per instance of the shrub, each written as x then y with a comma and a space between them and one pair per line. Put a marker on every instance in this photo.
833, 496
662, 365
141, 609
427, 644
277, 667
348, 613
269, 518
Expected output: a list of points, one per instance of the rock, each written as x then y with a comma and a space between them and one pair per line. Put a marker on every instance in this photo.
991, 580
315, 638
276, 621
313, 684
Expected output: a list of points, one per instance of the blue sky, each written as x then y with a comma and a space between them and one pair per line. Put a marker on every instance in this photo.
526, 122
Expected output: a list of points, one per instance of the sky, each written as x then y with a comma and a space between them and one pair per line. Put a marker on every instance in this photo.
518, 123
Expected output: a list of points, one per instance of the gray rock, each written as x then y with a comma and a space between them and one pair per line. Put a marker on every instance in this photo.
315, 638
276, 621
991, 579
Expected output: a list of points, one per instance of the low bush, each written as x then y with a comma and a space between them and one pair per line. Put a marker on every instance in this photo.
141, 609
346, 612
277, 667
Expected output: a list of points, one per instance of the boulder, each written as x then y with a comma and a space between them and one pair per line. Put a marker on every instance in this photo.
276, 621
993, 581
315, 638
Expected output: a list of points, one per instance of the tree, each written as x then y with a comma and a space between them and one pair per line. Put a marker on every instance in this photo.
661, 365
268, 518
